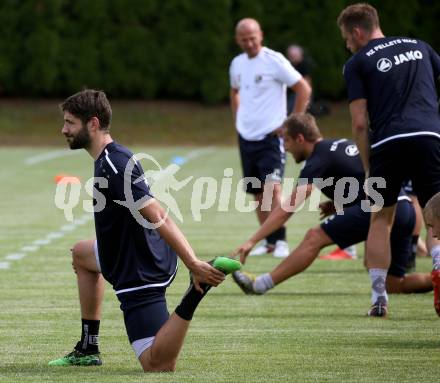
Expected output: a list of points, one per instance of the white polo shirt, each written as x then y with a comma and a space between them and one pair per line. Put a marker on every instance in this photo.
261, 81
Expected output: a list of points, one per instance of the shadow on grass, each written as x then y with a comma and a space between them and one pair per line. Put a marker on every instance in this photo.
32, 369
291, 294
338, 271
395, 343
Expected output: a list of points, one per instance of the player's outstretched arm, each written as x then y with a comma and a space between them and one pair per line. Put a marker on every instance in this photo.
201, 271
276, 219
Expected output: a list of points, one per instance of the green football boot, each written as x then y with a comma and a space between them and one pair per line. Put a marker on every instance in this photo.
226, 265
77, 358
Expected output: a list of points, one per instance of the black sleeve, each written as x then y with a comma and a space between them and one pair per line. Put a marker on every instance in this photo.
354, 81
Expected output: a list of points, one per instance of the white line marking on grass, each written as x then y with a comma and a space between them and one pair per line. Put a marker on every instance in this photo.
35, 245
198, 152
55, 235
40, 242
49, 156
4, 265
181, 160
15, 256
70, 227
29, 248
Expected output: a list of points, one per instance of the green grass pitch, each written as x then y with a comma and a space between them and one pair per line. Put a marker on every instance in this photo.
312, 328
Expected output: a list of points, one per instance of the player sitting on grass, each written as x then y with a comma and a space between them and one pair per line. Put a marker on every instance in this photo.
139, 259
431, 214
329, 163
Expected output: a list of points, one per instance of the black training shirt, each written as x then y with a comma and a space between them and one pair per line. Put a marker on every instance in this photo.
131, 256
396, 75
333, 161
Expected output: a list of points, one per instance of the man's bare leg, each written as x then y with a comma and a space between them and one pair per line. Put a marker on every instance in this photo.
91, 292
409, 283
90, 280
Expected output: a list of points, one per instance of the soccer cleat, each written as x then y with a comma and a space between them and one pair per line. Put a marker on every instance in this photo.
245, 281
281, 249
379, 309
337, 255
263, 249
226, 265
77, 358
435, 277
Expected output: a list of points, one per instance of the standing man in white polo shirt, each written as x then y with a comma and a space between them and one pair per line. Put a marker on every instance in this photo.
259, 78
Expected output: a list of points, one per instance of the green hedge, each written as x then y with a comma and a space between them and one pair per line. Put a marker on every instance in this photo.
173, 48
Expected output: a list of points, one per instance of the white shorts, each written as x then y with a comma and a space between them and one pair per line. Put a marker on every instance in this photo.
140, 345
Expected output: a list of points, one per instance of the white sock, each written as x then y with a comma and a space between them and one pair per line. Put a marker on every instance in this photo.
435, 254
263, 283
351, 250
378, 278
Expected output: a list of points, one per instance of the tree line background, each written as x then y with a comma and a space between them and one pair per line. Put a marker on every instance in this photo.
178, 49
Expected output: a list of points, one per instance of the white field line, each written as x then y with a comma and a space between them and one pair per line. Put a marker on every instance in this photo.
42, 242
198, 153
51, 155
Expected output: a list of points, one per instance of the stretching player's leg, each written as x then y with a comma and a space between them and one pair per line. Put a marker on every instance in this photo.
91, 292
409, 283
398, 281
165, 346
303, 256
162, 355
90, 280
297, 261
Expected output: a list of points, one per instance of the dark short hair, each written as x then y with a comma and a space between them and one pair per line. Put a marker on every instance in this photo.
359, 15
302, 123
87, 104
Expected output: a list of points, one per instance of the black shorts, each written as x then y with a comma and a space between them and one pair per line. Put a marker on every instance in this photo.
145, 312
352, 227
416, 158
262, 160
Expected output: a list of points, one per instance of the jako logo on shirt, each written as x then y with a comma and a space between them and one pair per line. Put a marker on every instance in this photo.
384, 64
407, 56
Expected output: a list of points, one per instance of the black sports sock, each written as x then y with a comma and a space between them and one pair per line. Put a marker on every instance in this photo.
89, 337
277, 235
190, 301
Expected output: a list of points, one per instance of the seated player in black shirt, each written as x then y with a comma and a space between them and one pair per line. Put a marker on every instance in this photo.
329, 166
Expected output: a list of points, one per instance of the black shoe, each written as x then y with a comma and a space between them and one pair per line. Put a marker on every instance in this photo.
379, 309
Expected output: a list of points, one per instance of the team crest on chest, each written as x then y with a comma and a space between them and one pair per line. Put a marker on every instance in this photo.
351, 150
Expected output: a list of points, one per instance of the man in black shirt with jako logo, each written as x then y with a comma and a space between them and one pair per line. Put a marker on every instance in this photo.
396, 126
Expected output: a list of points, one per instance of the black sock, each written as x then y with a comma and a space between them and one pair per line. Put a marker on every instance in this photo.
89, 337
190, 301
277, 235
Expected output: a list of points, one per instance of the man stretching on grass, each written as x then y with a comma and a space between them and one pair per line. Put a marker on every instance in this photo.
329, 165
140, 262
